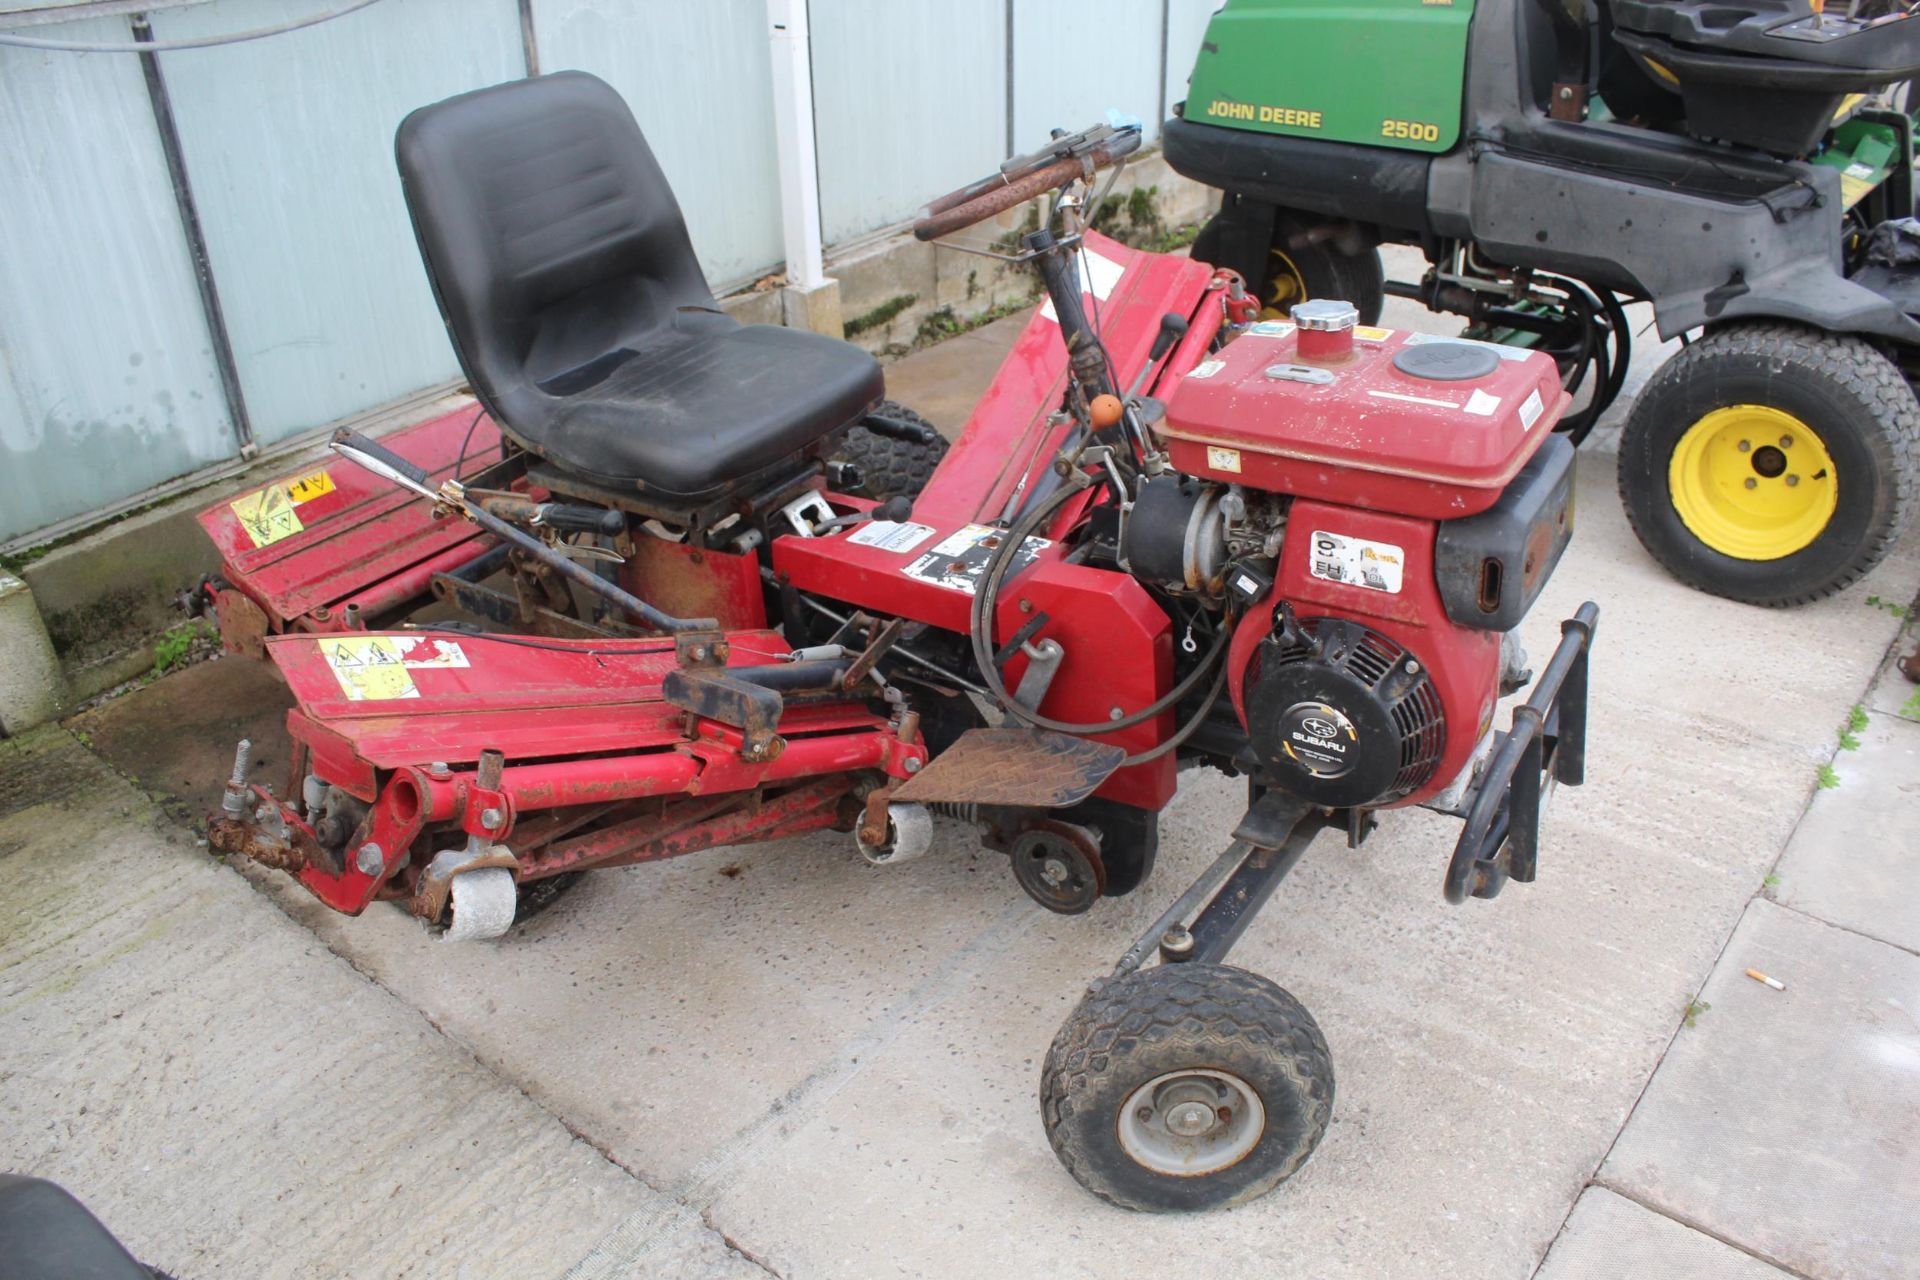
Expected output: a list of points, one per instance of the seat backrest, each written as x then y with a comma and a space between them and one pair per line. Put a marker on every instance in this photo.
550, 236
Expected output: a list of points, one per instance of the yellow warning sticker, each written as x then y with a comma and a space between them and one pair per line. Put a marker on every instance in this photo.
1369, 333
315, 484
368, 668
267, 516
1220, 459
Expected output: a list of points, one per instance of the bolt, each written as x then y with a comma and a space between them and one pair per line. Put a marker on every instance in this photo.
1752, 483
1792, 481
1413, 668
439, 769
369, 859
699, 653
242, 761
1115, 713
1177, 941
491, 819
1026, 606
1745, 445
234, 803
1144, 1114
1786, 442
913, 764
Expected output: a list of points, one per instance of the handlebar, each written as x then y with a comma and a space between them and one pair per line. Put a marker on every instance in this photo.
1024, 177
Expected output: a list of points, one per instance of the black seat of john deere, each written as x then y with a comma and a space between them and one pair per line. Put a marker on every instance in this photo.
562, 266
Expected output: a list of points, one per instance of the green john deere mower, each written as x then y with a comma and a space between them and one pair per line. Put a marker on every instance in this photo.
1745, 166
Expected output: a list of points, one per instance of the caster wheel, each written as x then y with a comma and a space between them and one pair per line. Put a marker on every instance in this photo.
1186, 1087
481, 904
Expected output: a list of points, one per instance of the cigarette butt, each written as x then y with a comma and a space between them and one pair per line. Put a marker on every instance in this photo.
1760, 977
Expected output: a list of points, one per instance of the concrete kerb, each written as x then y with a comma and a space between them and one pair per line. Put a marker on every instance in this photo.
31, 687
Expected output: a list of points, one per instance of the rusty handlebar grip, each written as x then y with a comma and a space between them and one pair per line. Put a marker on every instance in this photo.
941, 221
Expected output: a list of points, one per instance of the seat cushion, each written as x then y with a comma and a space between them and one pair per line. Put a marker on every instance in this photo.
697, 406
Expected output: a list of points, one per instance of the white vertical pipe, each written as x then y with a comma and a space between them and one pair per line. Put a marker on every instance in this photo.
793, 138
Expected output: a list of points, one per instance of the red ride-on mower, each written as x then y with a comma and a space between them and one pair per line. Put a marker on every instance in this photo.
1169, 535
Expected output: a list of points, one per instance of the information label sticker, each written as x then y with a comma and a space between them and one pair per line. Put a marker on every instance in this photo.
1270, 329
1358, 562
1371, 333
1219, 459
1482, 405
1531, 409
315, 484
889, 536
267, 516
369, 668
958, 560
1207, 368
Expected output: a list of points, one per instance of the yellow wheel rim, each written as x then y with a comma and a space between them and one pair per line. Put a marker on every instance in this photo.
1285, 286
1753, 482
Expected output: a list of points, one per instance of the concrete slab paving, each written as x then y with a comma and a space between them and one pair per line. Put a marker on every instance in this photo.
233, 1100
1608, 1237
837, 1064
1854, 860
1790, 1120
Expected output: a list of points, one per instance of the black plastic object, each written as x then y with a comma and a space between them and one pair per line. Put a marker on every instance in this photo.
570, 289
1446, 361
1780, 29
46, 1234
1340, 715
1491, 566
1337, 179
570, 517
380, 453
1777, 104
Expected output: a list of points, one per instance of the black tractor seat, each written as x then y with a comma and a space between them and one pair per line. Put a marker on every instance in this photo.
580, 315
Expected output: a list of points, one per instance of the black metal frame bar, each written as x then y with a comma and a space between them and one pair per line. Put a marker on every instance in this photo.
1548, 739
223, 358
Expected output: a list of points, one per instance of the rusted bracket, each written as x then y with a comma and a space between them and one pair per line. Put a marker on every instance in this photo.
714, 695
888, 635
436, 882
700, 648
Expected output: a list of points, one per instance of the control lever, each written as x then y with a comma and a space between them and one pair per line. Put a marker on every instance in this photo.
568, 517
384, 462
895, 510
1173, 327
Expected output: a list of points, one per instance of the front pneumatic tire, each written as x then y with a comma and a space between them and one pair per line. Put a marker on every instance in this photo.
1771, 463
1186, 1087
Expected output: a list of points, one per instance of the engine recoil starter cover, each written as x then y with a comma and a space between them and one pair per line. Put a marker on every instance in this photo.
1341, 715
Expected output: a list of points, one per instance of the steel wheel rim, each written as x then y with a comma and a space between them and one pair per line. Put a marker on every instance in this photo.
1160, 1126
1753, 482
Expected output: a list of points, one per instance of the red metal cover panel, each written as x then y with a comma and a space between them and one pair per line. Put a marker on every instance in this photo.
414, 697
331, 529
1358, 430
1007, 433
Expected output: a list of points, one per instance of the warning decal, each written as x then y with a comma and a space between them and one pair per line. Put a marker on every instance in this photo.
429, 652
1358, 562
369, 668
889, 536
270, 515
958, 560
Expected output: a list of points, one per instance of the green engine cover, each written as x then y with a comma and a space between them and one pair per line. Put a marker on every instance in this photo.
1384, 73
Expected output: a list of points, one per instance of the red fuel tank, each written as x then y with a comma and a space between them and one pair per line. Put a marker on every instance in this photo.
1384, 419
